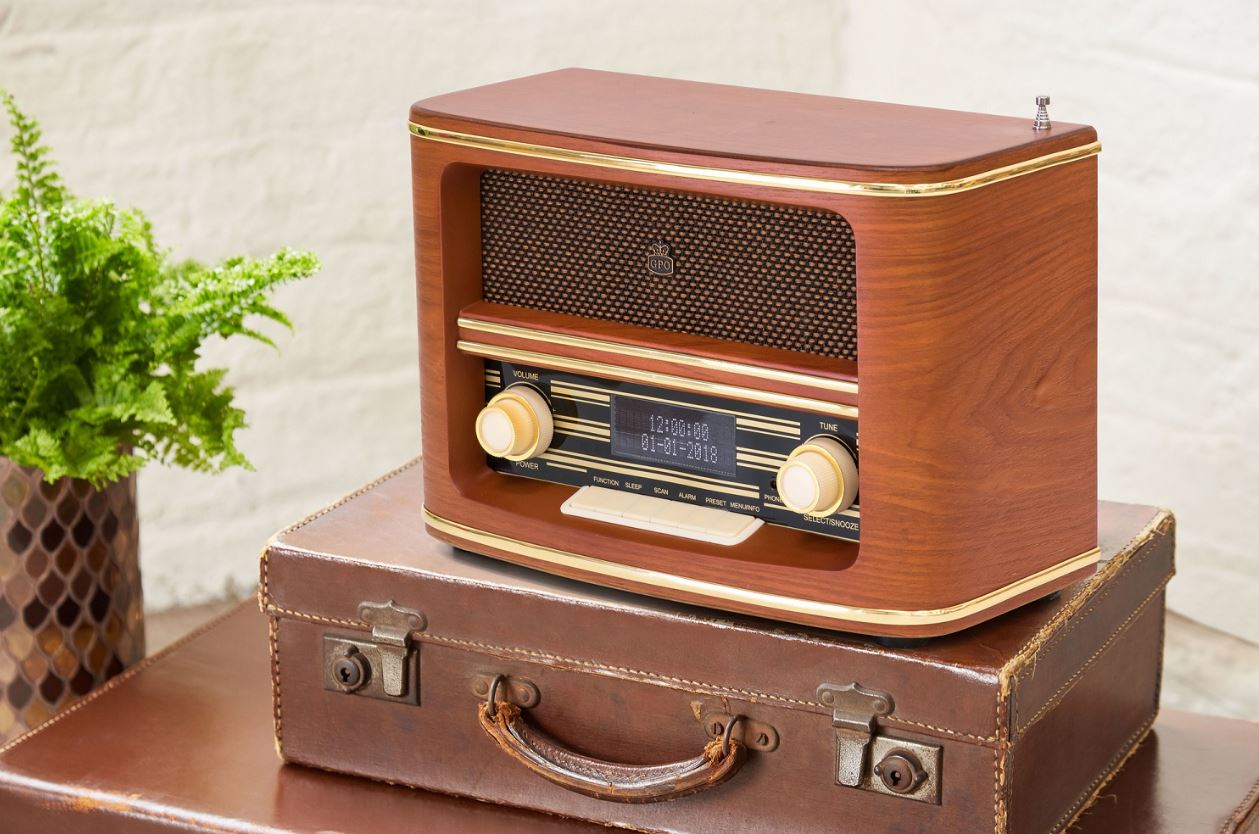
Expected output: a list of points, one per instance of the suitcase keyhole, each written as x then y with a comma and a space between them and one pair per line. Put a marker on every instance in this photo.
900, 772
350, 672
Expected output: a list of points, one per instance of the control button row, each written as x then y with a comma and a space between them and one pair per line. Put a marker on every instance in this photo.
660, 515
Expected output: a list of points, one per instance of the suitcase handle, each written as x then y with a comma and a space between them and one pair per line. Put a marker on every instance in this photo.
505, 723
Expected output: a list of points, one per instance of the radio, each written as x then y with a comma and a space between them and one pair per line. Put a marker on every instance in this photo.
821, 360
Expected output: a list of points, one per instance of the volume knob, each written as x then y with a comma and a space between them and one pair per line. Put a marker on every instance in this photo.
819, 478
515, 424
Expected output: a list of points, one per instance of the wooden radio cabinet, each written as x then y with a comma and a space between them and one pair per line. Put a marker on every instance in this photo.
821, 360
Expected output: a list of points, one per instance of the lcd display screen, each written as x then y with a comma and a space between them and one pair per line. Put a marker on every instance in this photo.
673, 435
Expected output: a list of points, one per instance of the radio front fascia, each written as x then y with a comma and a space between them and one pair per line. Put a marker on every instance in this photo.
957, 525
583, 451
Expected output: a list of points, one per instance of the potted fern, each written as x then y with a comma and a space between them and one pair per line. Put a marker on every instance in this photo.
100, 337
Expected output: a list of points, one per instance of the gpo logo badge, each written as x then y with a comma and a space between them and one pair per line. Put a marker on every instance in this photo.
658, 260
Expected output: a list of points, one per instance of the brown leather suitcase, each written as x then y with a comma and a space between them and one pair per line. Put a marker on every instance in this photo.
183, 743
400, 659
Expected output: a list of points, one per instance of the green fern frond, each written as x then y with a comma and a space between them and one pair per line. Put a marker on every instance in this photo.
38, 185
101, 332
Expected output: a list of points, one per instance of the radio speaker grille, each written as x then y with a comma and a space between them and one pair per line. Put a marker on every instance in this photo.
758, 273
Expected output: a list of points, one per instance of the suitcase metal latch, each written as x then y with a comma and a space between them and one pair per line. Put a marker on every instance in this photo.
904, 768
383, 666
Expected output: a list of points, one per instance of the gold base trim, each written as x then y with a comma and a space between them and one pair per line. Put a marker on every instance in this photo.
602, 369
839, 614
655, 354
754, 178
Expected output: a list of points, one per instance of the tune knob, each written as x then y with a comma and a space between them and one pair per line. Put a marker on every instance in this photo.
819, 478
515, 424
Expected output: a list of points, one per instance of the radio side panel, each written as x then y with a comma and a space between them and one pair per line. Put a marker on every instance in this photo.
978, 334
448, 279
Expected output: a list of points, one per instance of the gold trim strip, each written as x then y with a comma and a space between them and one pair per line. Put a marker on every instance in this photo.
594, 389
580, 436
591, 430
795, 436
756, 178
596, 423
756, 425
654, 354
777, 457
741, 457
564, 466
716, 389
760, 599
577, 434
562, 388
558, 396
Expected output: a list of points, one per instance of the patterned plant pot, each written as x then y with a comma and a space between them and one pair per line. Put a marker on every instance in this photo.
71, 608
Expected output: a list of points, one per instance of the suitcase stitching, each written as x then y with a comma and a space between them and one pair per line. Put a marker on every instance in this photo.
718, 688
1051, 631
1241, 811
345, 499
264, 589
1010, 673
1074, 621
714, 688
120, 679
1044, 637
270, 606
277, 711
1113, 767
1000, 753
1061, 691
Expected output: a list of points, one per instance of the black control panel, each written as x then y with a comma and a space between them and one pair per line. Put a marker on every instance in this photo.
672, 444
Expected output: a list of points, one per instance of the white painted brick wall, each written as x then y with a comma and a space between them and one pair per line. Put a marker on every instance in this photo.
243, 126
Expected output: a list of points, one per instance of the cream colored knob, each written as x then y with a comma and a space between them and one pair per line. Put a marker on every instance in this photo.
516, 424
819, 478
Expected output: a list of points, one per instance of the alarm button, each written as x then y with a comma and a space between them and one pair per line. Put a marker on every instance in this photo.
516, 424
819, 478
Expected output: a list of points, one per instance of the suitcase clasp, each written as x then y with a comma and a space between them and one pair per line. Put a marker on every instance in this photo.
853, 711
391, 631
906, 768
379, 667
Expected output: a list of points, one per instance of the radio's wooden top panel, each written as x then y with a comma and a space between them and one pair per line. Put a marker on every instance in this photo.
858, 140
